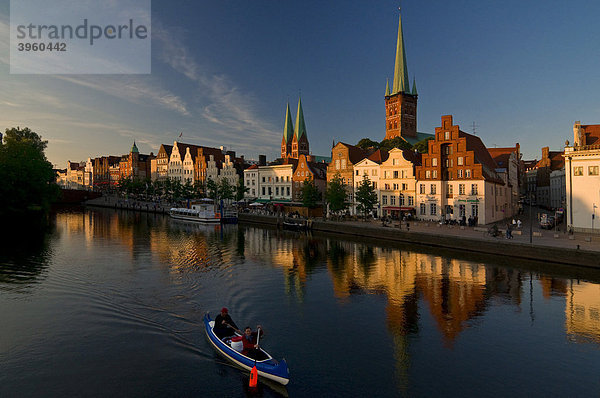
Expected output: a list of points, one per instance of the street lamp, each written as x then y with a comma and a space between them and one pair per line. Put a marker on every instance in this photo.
593, 215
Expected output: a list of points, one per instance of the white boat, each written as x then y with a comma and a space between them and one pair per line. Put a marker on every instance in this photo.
204, 211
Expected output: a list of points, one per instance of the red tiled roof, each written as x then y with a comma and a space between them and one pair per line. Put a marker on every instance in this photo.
253, 167
379, 156
592, 134
482, 156
355, 154
502, 155
557, 161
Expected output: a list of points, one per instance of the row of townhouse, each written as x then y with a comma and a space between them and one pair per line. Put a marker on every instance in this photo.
458, 177
282, 180
195, 163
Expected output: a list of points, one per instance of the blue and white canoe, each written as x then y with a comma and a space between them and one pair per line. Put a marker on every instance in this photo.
269, 367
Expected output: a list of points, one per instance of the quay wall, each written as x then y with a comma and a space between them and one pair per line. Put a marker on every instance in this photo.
559, 255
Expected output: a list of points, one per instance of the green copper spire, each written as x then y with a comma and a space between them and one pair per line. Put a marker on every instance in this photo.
401, 83
134, 148
300, 126
387, 87
414, 90
288, 129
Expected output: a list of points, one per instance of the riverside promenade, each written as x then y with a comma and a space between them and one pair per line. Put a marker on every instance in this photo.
578, 249
115, 202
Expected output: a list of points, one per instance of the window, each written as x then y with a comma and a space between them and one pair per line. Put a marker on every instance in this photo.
337, 164
395, 187
449, 189
288, 191
422, 188
384, 199
343, 163
461, 210
263, 190
404, 187
474, 210
434, 173
427, 174
356, 172
387, 186
423, 209
473, 189
277, 191
461, 189
432, 209
394, 162
593, 170
459, 174
434, 162
374, 172
392, 200
446, 135
578, 171
263, 179
468, 173
432, 189
460, 161
395, 173
401, 200
411, 201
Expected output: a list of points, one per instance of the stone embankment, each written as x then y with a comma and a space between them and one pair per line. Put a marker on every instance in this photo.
582, 250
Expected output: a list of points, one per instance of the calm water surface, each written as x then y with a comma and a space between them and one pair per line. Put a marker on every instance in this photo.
111, 304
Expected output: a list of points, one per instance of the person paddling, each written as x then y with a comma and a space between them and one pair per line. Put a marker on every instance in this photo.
250, 341
224, 325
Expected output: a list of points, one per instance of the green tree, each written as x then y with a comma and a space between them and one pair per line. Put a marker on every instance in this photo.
26, 175
226, 190
212, 189
367, 143
423, 145
365, 196
336, 194
396, 142
241, 190
309, 193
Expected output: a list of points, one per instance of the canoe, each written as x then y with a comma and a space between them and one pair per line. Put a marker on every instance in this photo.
269, 367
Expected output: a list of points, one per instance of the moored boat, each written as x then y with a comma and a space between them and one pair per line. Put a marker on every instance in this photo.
268, 367
205, 211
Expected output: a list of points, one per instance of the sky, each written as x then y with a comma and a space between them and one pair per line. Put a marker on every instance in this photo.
223, 72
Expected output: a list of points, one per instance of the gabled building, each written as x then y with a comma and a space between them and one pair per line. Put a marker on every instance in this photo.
397, 183
538, 177
162, 161
369, 167
343, 158
582, 178
509, 169
316, 172
135, 165
457, 179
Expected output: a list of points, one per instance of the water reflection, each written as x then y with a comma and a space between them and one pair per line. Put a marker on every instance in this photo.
25, 255
583, 312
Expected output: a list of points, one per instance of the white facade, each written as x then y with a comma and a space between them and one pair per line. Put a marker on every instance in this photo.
369, 168
175, 166
251, 182
275, 182
582, 186
227, 171
397, 184
187, 167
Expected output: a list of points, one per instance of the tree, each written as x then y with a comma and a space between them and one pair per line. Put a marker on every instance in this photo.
27, 176
226, 190
396, 142
366, 196
367, 143
212, 189
336, 194
423, 145
309, 193
241, 190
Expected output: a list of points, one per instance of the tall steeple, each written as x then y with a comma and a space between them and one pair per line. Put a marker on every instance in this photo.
288, 128
414, 89
400, 83
300, 129
387, 87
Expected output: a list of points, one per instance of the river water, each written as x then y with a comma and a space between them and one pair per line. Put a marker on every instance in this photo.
110, 304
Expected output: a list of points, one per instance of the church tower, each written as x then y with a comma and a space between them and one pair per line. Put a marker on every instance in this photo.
300, 139
288, 133
401, 103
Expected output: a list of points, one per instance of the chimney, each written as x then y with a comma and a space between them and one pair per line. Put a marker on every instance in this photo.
262, 160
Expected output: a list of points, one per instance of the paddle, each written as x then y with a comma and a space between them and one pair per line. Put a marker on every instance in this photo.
254, 371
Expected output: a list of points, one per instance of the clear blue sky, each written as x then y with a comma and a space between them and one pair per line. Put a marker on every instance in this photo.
222, 72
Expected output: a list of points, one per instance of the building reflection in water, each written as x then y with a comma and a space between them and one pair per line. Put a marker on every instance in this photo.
454, 292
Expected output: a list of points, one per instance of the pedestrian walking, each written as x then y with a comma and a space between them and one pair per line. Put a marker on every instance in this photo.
519, 223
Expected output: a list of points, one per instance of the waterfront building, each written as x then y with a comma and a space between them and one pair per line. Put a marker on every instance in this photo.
398, 183
75, 175
316, 172
343, 158
538, 177
276, 181
369, 167
457, 178
583, 178
217, 170
88, 173
558, 189
401, 102
251, 182
135, 165
162, 162
181, 162
101, 170
508, 162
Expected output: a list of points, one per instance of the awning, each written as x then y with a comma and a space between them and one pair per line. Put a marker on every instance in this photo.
398, 208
